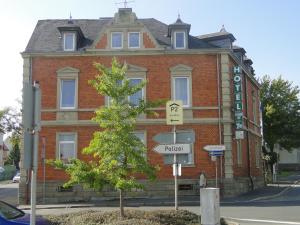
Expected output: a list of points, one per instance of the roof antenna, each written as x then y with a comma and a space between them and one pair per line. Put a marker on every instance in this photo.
223, 29
125, 2
70, 19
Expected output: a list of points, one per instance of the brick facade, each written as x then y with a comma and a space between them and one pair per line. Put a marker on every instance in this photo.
209, 116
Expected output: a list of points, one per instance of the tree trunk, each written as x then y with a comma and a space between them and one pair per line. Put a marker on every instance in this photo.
121, 204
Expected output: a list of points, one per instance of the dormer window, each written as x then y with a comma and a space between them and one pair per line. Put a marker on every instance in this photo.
69, 41
133, 39
179, 40
116, 40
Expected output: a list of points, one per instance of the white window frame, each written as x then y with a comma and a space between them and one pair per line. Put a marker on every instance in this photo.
143, 141
257, 153
66, 142
67, 73
175, 41
74, 41
111, 38
129, 39
254, 108
143, 89
188, 89
61, 91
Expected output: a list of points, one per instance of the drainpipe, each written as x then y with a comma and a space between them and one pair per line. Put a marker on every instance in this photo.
248, 137
219, 117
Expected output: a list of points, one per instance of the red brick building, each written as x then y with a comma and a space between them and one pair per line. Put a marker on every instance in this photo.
199, 70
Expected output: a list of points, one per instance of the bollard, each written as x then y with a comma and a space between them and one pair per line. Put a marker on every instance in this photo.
210, 206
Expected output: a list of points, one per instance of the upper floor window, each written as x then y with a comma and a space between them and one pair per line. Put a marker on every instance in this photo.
117, 40
69, 41
181, 90
179, 40
66, 146
133, 39
136, 97
67, 93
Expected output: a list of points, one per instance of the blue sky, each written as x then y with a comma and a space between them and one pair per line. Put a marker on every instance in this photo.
269, 30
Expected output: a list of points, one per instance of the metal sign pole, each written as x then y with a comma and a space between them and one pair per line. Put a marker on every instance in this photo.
216, 171
176, 171
37, 102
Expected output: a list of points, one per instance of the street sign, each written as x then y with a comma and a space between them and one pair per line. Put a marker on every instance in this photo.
176, 169
214, 148
239, 134
182, 136
174, 112
216, 153
173, 149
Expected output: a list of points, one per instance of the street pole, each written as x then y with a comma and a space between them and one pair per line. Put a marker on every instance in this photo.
37, 102
176, 171
216, 171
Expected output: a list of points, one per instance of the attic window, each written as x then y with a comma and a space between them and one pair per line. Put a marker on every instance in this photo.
69, 41
117, 40
179, 40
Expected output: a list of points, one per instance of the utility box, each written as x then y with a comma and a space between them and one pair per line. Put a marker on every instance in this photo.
210, 206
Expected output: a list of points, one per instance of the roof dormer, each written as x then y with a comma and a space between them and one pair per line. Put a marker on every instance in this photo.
72, 36
179, 33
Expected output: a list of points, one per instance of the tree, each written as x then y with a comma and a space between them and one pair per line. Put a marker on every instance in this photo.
14, 155
10, 121
118, 155
281, 113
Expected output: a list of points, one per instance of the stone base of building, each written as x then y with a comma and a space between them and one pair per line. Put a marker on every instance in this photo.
53, 191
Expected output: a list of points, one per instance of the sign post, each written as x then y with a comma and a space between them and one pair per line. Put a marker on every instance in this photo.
174, 115
214, 151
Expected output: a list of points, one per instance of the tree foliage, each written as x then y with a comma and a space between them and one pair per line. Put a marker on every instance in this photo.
281, 113
10, 121
118, 155
14, 154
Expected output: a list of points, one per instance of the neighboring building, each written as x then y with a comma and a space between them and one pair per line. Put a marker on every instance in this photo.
4, 152
198, 70
289, 160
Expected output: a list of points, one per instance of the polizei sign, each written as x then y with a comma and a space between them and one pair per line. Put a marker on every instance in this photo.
238, 100
173, 149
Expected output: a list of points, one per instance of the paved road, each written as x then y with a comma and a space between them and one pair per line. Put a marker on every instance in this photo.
9, 193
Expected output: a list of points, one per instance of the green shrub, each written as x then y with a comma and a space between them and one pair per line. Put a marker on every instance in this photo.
9, 172
132, 217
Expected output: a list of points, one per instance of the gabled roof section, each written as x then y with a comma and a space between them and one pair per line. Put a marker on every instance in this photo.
68, 70
222, 34
181, 67
134, 68
47, 35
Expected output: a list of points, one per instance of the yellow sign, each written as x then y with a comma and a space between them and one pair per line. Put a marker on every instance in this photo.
174, 112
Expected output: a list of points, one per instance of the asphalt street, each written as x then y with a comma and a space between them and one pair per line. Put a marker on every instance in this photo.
283, 207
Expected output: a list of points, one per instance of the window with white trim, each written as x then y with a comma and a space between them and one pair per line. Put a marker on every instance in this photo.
181, 90
179, 40
136, 97
133, 39
67, 93
141, 135
67, 147
69, 41
254, 107
239, 153
257, 153
116, 40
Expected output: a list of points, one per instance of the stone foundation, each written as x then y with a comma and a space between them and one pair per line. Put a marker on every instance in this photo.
55, 193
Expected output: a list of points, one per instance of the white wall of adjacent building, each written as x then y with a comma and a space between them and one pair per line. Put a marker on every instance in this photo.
292, 157
1, 150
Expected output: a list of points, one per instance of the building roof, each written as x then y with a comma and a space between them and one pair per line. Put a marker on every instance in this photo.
46, 36
217, 35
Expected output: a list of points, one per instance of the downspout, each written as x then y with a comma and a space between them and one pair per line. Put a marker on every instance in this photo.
219, 117
248, 137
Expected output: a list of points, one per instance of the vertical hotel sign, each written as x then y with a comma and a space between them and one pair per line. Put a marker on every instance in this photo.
238, 101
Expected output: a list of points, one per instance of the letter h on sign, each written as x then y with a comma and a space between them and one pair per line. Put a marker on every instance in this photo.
236, 69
